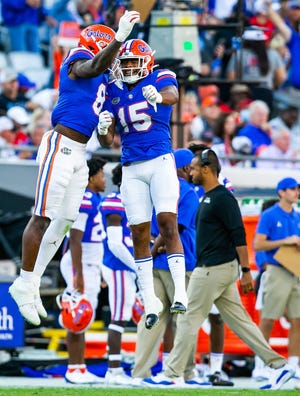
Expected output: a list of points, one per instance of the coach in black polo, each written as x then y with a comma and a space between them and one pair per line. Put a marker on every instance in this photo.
221, 252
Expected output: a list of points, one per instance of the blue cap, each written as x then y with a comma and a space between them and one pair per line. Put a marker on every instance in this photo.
288, 182
293, 4
183, 157
24, 82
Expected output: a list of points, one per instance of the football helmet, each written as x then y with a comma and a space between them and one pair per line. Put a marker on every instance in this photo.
141, 51
76, 313
96, 37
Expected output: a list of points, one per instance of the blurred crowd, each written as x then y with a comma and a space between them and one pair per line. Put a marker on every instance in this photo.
251, 108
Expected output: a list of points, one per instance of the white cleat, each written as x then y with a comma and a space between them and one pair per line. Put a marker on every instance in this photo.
37, 299
117, 376
82, 376
279, 377
162, 381
23, 292
40, 307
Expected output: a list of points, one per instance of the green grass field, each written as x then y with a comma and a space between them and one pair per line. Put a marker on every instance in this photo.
136, 392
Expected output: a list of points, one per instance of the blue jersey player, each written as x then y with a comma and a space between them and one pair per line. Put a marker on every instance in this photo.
63, 172
139, 107
118, 271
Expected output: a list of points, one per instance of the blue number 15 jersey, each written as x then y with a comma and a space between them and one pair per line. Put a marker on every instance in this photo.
145, 133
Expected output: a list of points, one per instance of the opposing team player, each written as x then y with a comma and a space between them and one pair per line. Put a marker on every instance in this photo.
81, 269
63, 172
139, 107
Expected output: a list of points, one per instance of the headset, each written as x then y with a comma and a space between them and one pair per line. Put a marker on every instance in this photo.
206, 161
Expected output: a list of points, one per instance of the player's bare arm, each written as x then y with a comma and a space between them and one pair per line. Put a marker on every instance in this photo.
91, 68
104, 59
169, 95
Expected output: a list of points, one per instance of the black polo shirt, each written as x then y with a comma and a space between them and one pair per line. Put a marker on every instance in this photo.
219, 228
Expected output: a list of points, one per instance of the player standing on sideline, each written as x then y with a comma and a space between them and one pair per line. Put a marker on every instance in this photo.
63, 172
118, 271
139, 107
81, 267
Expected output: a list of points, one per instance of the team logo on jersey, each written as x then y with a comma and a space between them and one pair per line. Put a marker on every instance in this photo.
115, 101
66, 151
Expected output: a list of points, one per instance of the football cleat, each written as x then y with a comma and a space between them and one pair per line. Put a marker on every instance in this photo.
117, 376
279, 377
23, 292
82, 376
217, 380
177, 308
152, 317
162, 381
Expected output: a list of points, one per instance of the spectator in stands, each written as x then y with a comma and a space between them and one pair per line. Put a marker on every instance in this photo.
279, 226
45, 99
26, 86
81, 267
190, 106
224, 131
259, 64
240, 97
280, 149
23, 19
292, 38
119, 272
287, 118
261, 19
258, 129
209, 112
39, 124
278, 43
7, 138
21, 119
10, 95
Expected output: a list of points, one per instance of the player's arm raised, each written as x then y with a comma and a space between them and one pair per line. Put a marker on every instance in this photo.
104, 59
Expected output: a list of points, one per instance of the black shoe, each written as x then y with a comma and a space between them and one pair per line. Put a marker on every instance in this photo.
217, 380
177, 308
151, 320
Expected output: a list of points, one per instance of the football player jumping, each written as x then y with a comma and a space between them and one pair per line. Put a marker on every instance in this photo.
139, 107
63, 172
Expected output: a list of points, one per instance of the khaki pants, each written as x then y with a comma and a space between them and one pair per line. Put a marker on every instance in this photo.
217, 285
148, 341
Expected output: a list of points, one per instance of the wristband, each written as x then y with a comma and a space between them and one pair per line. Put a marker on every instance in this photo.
246, 269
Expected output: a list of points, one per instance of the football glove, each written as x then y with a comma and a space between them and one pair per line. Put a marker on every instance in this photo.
126, 24
105, 121
151, 95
